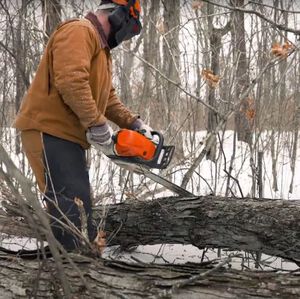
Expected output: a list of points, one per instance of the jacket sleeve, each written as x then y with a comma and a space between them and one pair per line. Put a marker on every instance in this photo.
118, 113
72, 50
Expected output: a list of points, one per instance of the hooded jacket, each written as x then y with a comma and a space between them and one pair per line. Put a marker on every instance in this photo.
72, 89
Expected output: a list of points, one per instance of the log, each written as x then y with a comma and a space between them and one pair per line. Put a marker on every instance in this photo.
112, 279
269, 226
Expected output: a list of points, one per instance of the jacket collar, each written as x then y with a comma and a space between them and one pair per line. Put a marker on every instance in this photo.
94, 20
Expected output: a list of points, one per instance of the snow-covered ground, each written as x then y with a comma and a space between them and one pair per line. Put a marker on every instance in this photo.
209, 177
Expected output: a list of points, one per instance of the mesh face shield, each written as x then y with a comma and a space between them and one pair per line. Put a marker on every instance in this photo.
124, 20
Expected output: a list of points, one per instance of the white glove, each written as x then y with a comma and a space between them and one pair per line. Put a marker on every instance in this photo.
101, 138
143, 128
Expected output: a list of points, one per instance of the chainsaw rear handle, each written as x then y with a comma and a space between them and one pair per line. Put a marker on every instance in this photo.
163, 153
158, 145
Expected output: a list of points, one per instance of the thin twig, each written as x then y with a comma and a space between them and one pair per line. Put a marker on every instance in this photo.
236, 180
257, 13
177, 84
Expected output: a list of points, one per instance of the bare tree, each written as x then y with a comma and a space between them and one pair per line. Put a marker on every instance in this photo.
171, 68
243, 123
215, 42
52, 15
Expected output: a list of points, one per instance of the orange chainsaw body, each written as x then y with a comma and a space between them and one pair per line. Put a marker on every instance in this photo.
130, 143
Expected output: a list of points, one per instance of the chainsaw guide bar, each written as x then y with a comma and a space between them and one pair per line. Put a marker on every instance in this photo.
141, 170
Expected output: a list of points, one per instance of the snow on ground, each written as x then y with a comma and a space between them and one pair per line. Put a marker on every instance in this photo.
180, 254
209, 177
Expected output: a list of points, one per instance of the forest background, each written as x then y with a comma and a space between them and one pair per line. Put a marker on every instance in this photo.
220, 79
197, 66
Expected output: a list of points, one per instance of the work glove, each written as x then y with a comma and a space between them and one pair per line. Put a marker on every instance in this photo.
140, 126
101, 138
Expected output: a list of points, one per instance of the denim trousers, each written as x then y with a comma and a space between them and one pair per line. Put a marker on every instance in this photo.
67, 178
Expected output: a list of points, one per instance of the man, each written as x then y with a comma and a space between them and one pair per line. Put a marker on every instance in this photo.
67, 107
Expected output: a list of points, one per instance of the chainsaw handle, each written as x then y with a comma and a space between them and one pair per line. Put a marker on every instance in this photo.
160, 136
163, 153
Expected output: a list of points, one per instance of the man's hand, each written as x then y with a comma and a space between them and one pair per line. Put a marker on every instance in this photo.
101, 138
139, 125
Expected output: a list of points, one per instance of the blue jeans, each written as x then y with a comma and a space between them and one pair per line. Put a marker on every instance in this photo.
66, 178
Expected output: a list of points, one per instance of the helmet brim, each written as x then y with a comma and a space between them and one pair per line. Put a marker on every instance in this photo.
108, 6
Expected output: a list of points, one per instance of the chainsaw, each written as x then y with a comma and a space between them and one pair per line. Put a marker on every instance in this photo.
135, 152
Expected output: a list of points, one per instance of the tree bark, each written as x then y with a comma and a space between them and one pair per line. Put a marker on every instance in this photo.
270, 226
215, 44
244, 123
171, 68
113, 279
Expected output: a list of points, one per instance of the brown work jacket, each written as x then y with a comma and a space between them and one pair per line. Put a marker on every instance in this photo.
72, 89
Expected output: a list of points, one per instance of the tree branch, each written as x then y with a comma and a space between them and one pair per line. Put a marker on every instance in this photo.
257, 13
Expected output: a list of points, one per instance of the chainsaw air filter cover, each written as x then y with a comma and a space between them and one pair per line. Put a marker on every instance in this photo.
129, 143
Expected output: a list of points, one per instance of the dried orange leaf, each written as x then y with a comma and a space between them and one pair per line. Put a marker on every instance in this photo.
248, 108
287, 45
250, 114
197, 5
100, 241
210, 77
281, 50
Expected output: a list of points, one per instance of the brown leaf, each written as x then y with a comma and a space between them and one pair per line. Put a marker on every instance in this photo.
197, 5
248, 108
287, 45
210, 78
250, 114
281, 50
100, 241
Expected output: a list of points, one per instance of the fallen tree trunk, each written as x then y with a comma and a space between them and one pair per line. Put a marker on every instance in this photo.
269, 226
111, 279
